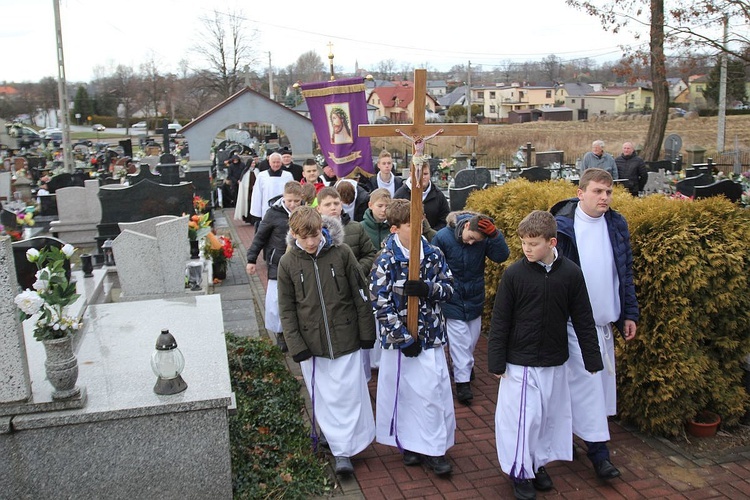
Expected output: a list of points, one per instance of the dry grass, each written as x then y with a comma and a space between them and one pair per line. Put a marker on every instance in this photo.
575, 137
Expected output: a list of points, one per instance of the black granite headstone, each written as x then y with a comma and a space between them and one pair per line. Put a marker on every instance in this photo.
535, 174
479, 177
8, 219
201, 180
730, 189
47, 205
25, 270
687, 185
655, 166
547, 158
143, 173
458, 196
142, 201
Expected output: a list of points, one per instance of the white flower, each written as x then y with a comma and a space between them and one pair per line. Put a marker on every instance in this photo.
68, 250
32, 254
29, 302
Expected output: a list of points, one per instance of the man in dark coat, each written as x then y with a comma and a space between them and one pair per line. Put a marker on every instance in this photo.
436, 207
630, 166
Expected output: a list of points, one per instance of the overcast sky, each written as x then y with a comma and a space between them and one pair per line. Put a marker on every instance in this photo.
486, 32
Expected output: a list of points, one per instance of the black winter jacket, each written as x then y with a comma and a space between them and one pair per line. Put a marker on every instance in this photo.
529, 320
436, 207
632, 168
271, 238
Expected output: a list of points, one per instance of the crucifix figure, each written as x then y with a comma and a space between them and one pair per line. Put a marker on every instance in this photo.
418, 133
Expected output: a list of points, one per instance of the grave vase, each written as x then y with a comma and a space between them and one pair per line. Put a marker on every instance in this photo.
61, 367
219, 270
194, 249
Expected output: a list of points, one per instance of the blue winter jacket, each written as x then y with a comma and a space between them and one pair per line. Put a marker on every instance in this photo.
619, 236
467, 263
387, 278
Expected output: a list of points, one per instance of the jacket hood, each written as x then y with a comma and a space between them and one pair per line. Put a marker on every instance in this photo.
333, 232
565, 208
390, 245
459, 215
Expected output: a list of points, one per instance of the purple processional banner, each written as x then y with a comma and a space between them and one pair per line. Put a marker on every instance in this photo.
336, 110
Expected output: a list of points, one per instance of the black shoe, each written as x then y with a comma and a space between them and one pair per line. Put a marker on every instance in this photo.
524, 490
471, 377
322, 441
542, 481
439, 465
281, 343
463, 393
344, 465
605, 470
411, 458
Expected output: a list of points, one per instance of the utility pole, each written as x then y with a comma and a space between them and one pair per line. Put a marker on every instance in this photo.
468, 102
721, 129
270, 86
62, 93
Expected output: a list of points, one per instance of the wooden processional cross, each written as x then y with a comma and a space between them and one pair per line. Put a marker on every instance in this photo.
417, 132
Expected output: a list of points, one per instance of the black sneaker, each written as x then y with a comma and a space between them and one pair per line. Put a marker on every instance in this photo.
281, 343
463, 393
439, 465
542, 481
411, 458
344, 466
524, 490
605, 470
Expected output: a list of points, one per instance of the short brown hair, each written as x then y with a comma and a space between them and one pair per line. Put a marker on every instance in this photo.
346, 191
379, 194
293, 187
384, 154
398, 212
308, 193
328, 192
594, 175
538, 224
305, 222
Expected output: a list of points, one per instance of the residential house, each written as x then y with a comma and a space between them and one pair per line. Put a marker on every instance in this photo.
437, 88
396, 103
615, 100
697, 84
498, 101
8, 92
560, 114
676, 87
571, 89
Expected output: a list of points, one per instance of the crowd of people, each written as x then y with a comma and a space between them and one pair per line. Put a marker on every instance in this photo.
337, 296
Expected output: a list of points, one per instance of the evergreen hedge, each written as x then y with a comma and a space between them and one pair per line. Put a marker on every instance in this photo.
692, 271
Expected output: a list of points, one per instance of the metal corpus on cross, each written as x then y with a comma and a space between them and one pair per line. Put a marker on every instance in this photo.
417, 132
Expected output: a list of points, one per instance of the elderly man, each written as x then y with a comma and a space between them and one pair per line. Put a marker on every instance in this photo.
597, 158
288, 164
268, 184
631, 167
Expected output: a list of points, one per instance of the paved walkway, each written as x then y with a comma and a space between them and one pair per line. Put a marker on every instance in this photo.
651, 467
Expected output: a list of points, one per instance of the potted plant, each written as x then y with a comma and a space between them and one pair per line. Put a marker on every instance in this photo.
704, 424
47, 306
219, 249
198, 227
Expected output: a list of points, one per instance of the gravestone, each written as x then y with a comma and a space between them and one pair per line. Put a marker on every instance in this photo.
143, 173
142, 201
5, 190
655, 166
458, 196
150, 257
656, 182
64, 180
727, 188
15, 386
25, 270
687, 185
479, 177
697, 170
79, 212
535, 174
547, 158
201, 179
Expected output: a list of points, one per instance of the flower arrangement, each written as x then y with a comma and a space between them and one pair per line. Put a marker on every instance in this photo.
52, 293
198, 226
25, 218
219, 248
199, 204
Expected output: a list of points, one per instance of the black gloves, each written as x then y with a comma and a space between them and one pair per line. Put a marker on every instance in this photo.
413, 350
366, 344
416, 288
299, 358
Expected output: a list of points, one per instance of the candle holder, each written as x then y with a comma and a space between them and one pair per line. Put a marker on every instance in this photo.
87, 264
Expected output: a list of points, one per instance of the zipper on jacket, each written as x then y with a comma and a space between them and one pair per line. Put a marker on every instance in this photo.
302, 283
333, 273
323, 305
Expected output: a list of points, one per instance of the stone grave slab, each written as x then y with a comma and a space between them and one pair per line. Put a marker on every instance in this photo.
459, 196
535, 174
656, 182
5, 190
25, 270
687, 185
479, 177
79, 212
727, 188
547, 158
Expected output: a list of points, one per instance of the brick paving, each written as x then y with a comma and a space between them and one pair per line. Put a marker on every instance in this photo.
651, 467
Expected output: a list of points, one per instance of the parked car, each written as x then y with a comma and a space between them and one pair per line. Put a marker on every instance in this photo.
47, 130
140, 126
55, 137
99, 128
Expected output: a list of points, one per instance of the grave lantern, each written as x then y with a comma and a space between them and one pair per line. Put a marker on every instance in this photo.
87, 263
109, 255
167, 362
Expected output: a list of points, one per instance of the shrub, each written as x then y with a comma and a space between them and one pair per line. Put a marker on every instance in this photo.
270, 444
691, 270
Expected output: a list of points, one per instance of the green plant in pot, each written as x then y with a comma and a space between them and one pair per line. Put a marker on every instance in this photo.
47, 305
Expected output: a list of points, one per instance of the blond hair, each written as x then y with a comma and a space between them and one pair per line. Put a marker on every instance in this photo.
380, 194
305, 222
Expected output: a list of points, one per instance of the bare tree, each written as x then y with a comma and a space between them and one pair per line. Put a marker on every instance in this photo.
386, 69
551, 67
308, 68
226, 48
